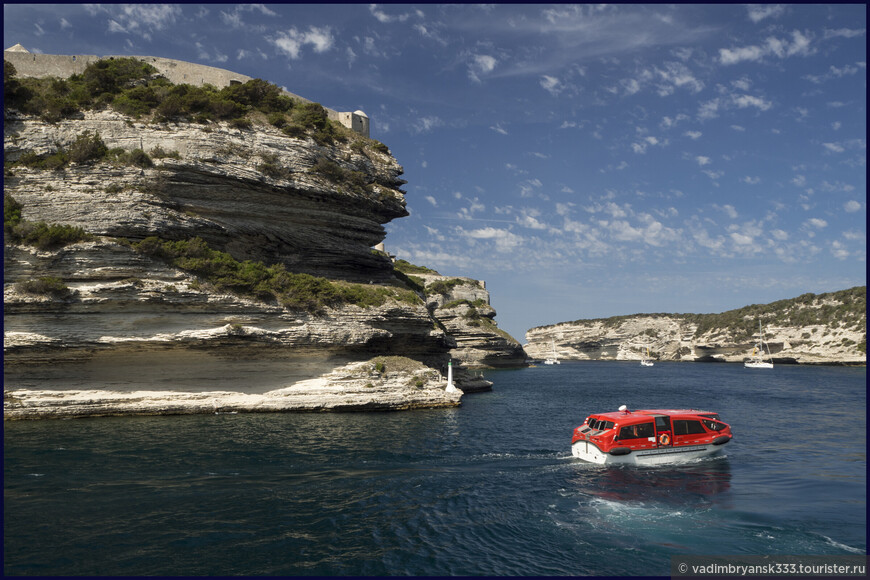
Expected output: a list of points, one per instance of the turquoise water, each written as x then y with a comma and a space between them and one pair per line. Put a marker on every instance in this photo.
489, 488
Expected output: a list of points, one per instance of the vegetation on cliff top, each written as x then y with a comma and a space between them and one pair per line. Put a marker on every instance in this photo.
135, 88
258, 280
844, 308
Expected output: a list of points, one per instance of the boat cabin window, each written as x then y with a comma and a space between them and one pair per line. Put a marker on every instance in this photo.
712, 416
641, 431
600, 424
713, 425
663, 423
687, 427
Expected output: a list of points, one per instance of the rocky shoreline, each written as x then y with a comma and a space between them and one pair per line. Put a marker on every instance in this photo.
358, 386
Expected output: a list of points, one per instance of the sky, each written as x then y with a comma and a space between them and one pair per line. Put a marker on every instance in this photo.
585, 161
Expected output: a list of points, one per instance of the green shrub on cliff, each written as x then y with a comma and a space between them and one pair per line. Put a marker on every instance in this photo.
134, 88
444, 286
87, 148
46, 285
355, 181
40, 234
249, 278
409, 268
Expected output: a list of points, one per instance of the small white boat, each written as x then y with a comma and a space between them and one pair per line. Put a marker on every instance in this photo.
756, 360
553, 360
646, 361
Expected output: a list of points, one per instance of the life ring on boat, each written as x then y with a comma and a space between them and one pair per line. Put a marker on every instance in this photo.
664, 439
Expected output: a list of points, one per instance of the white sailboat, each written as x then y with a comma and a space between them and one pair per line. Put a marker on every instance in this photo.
552, 360
756, 360
646, 361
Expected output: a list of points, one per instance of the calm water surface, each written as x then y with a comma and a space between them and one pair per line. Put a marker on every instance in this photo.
489, 488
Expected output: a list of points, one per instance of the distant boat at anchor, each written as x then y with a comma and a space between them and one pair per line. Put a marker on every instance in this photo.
646, 361
552, 360
756, 360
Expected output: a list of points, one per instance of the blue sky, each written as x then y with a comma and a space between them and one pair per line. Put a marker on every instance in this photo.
584, 160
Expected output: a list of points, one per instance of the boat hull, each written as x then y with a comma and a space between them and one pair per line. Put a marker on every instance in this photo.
589, 452
758, 365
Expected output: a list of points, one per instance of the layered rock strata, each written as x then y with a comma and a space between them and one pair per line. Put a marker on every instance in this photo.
462, 305
674, 338
253, 193
135, 335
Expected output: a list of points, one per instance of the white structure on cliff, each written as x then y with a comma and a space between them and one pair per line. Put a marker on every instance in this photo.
62, 66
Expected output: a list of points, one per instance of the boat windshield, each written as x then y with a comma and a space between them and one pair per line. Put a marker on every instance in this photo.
600, 424
713, 425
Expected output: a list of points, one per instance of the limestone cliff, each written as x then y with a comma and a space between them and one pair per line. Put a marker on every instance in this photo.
812, 329
129, 333
462, 305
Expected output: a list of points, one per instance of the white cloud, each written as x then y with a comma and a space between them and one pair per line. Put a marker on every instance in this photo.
702, 161
385, 18
499, 129
728, 209
431, 200
138, 19
741, 239
293, 41
744, 101
504, 240
694, 135
751, 180
852, 206
551, 84
799, 45
839, 251
833, 147
709, 110
480, 64
426, 124
668, 122
845, 32
531, 222
758, 12
529, 187
816, 223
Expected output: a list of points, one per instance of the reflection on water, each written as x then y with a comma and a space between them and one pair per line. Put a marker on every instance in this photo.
682, 484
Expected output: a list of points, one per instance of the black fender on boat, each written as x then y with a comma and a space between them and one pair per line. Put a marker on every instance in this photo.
620, 451
721, 440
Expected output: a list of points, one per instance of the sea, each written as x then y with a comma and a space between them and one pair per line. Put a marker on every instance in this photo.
485, 489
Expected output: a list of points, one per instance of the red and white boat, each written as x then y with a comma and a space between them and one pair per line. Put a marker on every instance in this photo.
649, 437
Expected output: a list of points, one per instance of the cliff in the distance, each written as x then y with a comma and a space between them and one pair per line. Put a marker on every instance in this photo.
811, 329
113, 324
